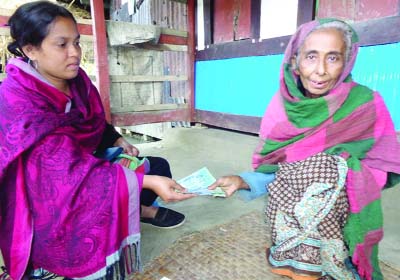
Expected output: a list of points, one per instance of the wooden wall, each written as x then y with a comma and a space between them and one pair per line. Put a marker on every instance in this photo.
235, 79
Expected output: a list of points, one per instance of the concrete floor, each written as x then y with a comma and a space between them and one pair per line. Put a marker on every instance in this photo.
226, 152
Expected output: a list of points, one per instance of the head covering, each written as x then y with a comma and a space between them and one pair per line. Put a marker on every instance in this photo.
350, 121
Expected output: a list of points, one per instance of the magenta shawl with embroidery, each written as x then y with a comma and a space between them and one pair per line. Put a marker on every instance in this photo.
351, 121
61, 208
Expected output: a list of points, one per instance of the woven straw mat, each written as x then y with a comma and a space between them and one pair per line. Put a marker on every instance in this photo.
233, 251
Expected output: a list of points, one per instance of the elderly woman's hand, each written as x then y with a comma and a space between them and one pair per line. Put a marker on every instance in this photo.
129, 149
229, 184
167, 189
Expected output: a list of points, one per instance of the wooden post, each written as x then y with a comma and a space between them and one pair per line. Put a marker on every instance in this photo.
100, 54
191, 56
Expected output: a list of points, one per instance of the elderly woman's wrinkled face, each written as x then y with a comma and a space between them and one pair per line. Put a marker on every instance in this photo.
321, 61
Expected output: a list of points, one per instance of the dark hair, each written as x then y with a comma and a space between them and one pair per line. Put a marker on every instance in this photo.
30, 24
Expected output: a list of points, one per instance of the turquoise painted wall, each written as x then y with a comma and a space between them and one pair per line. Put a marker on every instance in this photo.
244, 86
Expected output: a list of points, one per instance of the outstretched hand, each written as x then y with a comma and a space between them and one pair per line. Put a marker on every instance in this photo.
167, 189
129, 149
229, 184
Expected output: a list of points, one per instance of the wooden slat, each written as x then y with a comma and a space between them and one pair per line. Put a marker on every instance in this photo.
144, 78
208, 12
101, 54
174, 32
305, 11
2, 76
128, 119
164, 47
229, 121
191, 19
171, 39
149, 107
255, 18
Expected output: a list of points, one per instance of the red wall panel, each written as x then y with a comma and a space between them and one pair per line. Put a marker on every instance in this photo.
232, 20
243, 30
358, 10
376, 9
223, 21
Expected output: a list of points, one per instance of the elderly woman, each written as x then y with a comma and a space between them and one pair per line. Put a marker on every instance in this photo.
62, 209
332, 146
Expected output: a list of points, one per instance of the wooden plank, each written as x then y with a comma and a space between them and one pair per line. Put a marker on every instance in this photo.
164, 47
255, 18
150, 107
2, 76
101, 54
242, 26
229, 121
305, 11
223, 21
370, 33
173, 40
191, 19
207, 12
129, 119
174, 32
244, 48
378, 31
147, 78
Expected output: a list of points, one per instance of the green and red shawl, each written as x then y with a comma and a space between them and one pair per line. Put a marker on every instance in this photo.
352, 121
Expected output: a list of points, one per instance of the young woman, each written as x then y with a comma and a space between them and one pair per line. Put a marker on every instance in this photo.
62, 209
332, 146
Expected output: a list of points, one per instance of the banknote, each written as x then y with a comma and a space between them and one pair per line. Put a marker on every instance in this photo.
199, 181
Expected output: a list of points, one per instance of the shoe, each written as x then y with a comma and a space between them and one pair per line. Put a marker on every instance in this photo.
165, 218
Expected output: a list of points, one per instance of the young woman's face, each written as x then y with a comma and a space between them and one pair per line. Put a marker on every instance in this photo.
321, 61
59, 55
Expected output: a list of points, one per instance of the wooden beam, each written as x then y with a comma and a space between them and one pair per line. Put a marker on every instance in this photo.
173, 32
255, 18
370, 33
101, 54
161, 47
150, 107
208, 22
378, 31
128, 119
244, 48
191, 19
173, 40
148, 78
305, 11
229, 121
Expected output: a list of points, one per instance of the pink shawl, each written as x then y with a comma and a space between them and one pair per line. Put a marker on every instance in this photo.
351, 121
61, 208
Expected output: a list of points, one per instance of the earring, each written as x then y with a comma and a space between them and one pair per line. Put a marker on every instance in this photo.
32, 63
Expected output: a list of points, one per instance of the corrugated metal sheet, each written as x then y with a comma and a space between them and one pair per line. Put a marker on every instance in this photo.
143, 15
167, 14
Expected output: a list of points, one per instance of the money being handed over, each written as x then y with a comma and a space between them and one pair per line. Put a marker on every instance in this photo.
198, 183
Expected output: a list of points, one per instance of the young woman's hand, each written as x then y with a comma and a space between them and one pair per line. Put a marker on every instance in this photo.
128, 147
167, 189
229, 184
